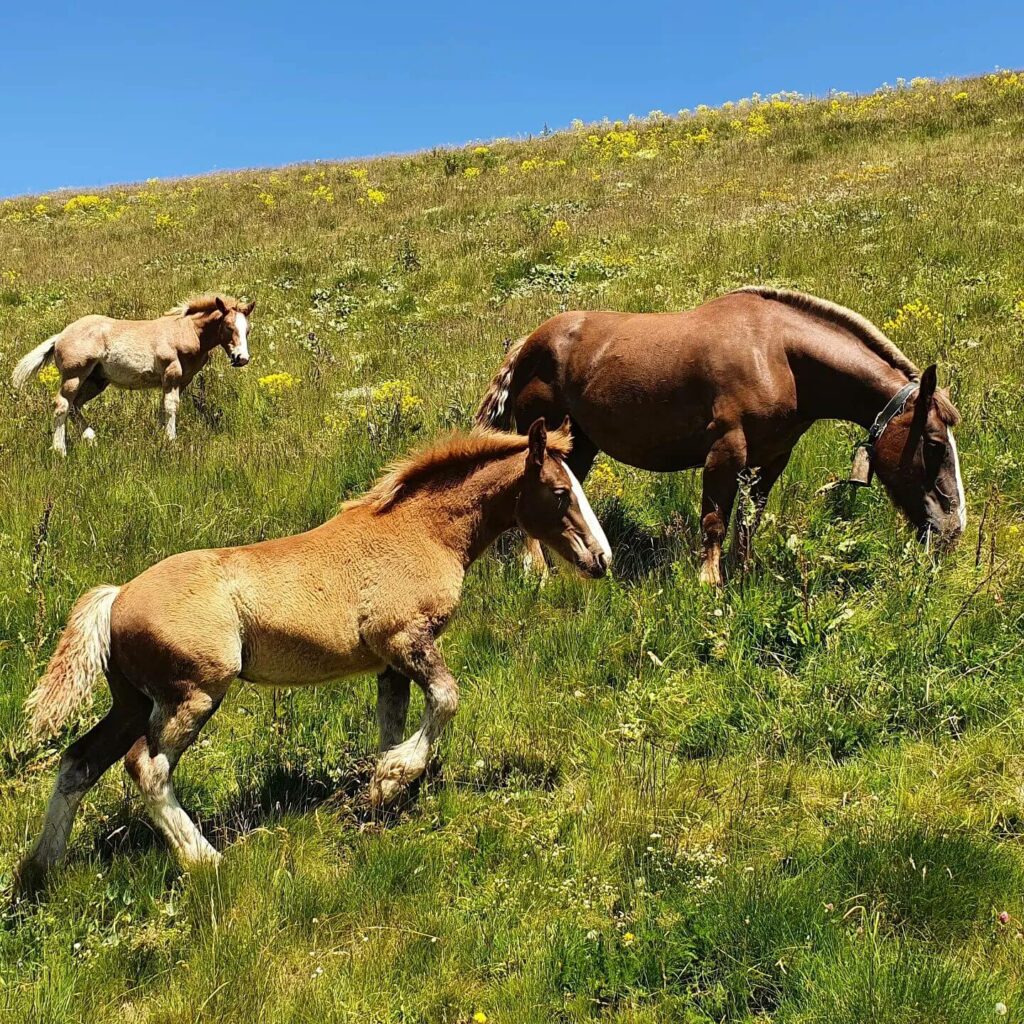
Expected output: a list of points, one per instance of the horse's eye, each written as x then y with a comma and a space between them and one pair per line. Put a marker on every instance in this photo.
561, 495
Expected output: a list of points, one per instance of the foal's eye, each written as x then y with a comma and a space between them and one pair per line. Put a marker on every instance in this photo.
561, 495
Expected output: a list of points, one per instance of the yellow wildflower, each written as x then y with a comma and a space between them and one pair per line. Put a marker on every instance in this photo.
913, 314
471, 172
529, 165
267, 199
323, 193
376, 196
559, 229
480, 1017
358, 173
163, 220
481, 150
274, 385
628, 939
49, 376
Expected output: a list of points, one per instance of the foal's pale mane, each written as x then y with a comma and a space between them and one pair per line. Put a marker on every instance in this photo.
863, 329
202, 304
456, 455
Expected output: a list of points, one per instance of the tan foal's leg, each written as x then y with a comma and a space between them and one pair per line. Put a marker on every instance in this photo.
419, 659
169, 411
392, 707
61, 407
81, 766
534, 559
151, 761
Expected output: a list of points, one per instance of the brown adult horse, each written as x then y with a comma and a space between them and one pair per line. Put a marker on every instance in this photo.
368, 591
731, 386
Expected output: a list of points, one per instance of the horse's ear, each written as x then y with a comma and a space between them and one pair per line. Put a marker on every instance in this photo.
221, 308
247, 310
537, 443
929, 382
925, 394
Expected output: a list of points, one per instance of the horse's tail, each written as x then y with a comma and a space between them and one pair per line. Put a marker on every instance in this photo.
494, 410
81, 656
34, 361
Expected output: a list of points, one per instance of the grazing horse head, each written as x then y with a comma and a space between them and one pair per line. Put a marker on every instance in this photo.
234, 330
553, 508
916, 459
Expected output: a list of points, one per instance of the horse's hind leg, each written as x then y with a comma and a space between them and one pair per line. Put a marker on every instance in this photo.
92, 386
173, 727
80, 769
392, 707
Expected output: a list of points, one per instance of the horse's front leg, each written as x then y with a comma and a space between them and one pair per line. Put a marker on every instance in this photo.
724, 463
418, 658
169, 410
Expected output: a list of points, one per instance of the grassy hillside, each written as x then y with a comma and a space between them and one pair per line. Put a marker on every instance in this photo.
797, 800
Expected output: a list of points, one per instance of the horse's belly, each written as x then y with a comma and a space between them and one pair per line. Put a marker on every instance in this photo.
649, 432
289, 660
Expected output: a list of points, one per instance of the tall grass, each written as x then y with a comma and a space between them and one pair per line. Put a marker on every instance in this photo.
799, 799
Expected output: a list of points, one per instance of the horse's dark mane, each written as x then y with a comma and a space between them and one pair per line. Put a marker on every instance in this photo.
864, 330
858, 325
456, 454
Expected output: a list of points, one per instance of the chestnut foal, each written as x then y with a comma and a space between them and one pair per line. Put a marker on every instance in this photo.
368, 591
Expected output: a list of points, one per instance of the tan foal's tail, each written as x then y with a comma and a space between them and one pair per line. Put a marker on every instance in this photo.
80, 657
494, 410
33, 361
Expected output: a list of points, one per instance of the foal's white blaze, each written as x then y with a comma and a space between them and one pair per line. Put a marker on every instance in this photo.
241, 347
588, 515
961, 499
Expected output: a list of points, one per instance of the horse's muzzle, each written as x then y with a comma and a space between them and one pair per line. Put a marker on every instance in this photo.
239, 361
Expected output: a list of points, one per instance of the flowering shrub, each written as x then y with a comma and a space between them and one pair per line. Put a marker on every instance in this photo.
392, 403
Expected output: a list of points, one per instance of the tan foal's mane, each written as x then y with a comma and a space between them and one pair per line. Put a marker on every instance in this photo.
454, 456
203, 304
864, 330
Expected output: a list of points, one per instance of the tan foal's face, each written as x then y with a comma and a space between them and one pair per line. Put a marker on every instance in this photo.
235, 332
553, 508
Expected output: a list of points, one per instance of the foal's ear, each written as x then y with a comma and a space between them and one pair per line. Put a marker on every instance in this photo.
538, 443
247, 310
219, 303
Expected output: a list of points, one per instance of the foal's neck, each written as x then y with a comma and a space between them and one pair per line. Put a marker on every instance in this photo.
845, 380
470, 515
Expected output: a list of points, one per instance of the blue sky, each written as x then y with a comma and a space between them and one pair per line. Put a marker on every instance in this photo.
110, 92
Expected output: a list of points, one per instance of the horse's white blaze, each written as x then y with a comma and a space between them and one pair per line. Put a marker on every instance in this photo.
961, 499
588, 514
241, 346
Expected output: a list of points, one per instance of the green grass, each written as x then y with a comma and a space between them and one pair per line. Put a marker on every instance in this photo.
798, 800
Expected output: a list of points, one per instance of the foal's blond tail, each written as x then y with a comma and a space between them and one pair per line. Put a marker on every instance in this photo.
33, 361
494, 410
80, 657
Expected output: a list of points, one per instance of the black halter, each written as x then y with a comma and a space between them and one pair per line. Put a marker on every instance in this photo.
865, 453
